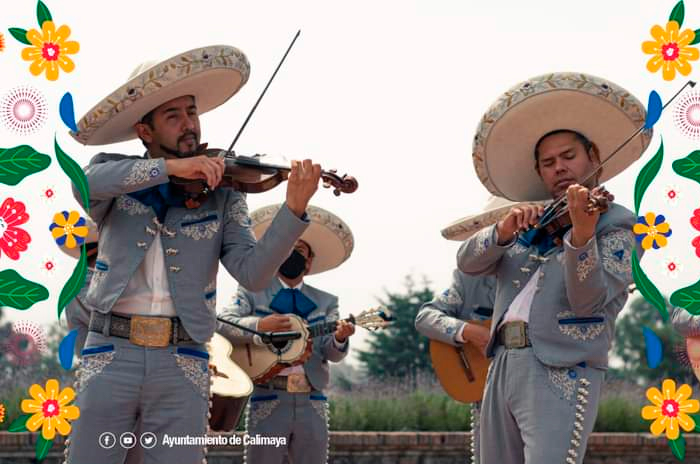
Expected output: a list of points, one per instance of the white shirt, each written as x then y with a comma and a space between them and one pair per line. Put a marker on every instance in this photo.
147, 293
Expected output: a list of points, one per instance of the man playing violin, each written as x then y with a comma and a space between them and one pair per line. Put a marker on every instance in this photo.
559, 291
292, 404
152, 296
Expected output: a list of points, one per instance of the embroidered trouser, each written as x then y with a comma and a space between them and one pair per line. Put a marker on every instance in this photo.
536, 414
300, 418
166, 389
475, 413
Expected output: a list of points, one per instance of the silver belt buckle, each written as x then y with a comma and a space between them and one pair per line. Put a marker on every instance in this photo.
514, 335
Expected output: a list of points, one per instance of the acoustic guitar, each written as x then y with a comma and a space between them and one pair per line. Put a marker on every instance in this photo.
263, 362
461, 370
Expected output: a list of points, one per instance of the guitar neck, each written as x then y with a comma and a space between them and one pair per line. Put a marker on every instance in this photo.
326, 328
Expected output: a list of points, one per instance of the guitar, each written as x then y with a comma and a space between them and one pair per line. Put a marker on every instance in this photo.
263, 362
461, 370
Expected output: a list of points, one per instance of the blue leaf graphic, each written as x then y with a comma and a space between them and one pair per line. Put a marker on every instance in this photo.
66, 349
653, 110
65, 108
654, 348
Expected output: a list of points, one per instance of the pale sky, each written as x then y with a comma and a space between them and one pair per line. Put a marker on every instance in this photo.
389, 92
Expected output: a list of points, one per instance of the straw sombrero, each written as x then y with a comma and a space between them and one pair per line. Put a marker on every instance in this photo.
211, 74
494, 210
328, 236
503, 150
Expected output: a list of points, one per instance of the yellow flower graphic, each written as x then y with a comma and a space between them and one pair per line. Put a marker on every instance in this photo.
2, 42
50, 50
652, 231
670, 409
50, 409
2, 413
69, 229
671, 50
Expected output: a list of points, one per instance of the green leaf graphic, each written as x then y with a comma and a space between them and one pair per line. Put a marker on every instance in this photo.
75, 283
17, 292
646, 176
689, 166
647, 288
76, 174
19, 162
42, 447
696, 40
678, 447
20, 35
688, 298
42, 13
696, 418
19, 424
678, 13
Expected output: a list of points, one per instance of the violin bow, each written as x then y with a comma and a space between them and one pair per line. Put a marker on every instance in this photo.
550, 211
255, 106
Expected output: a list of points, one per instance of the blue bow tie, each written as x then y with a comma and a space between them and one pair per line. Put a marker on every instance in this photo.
541, 239
160, 198
292, 301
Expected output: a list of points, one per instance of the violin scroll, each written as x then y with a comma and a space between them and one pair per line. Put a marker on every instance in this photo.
344, 184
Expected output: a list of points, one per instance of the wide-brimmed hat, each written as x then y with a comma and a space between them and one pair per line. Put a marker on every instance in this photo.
602, 111
211, 75
328, 236
494, 210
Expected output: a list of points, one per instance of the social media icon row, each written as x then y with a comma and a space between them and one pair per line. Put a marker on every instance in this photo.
127, 440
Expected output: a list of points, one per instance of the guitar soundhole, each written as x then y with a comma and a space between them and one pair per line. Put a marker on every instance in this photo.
280, 347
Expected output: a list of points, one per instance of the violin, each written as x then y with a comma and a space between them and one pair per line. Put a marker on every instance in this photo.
556, 216
250, 174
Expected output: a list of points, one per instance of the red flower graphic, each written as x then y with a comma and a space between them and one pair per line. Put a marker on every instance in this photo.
695, 222
13, 240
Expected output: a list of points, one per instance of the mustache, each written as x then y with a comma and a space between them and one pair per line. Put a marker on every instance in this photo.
187, 134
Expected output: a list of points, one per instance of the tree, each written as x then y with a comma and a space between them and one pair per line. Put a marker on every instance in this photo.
630, 347
399, 350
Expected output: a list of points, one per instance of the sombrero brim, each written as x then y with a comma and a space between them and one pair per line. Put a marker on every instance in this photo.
328, 236
462, 229
504, 145
211, 74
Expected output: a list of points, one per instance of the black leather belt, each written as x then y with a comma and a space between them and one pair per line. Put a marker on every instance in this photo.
141, 330
514, 335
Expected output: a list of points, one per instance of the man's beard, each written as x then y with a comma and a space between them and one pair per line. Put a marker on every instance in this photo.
178, 153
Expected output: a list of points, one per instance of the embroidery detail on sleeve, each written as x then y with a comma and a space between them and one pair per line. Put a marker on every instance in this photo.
142, 171
239, 212
516, 249
451, 297
616, 249
586, 263
131, 206
482, 241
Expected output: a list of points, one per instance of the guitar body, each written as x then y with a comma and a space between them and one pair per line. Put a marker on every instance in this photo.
263, 362
230, 385
462, 381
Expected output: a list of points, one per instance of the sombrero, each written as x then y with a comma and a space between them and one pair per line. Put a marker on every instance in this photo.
328, 236
505, 140
211, 74
494, 210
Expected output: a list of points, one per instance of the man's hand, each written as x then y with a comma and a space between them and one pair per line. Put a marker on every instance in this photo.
301, 185
518, 218
202, 167
274, 323
583, 223
476, 334
344, 330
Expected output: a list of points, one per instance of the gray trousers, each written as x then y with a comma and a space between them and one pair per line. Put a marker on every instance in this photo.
475, 413
537, 414
166, 389
301, 418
